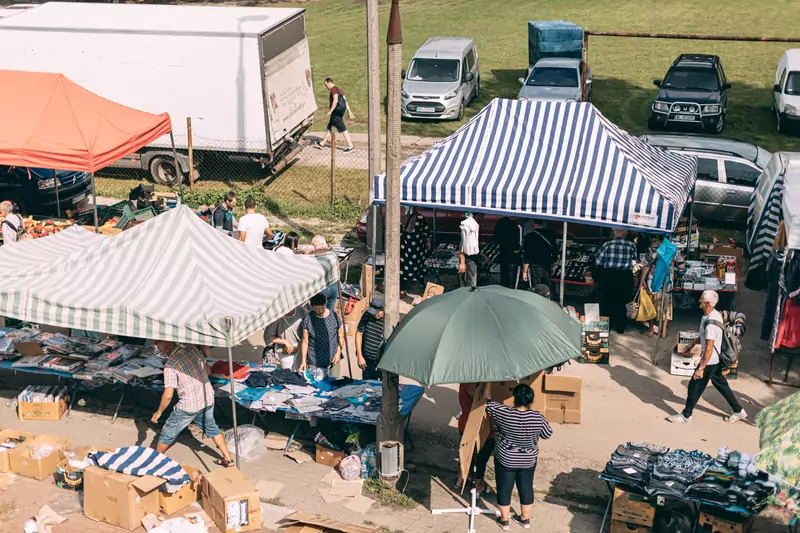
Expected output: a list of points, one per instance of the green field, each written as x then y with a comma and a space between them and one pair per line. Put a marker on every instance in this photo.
623, 69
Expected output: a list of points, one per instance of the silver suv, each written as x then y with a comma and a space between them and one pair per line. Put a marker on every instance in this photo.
442, 79
727, 172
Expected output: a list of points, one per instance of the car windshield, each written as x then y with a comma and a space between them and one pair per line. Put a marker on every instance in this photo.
433, 70
692, 79
553, 77
793, 84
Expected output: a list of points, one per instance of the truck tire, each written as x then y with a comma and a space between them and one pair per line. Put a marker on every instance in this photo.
162, 170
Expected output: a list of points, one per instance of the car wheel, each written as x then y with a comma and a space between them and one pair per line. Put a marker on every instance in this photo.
779, 123
477, 89
460, 112
162, 170
720, 124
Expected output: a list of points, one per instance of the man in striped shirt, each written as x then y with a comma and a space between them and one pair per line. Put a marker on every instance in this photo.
369, 339
187, 372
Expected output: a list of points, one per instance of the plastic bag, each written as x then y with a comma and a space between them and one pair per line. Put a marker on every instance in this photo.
251, 442
647, 311
350, 468
632, 308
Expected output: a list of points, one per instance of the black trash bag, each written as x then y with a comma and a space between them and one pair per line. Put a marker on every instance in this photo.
674, 518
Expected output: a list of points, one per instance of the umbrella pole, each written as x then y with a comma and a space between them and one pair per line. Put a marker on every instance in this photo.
660, 318
563, 263
94, 205
58, 202
346, 344
233, 392
179, 175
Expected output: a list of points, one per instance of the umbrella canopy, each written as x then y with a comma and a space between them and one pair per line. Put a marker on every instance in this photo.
779, 441
481, 335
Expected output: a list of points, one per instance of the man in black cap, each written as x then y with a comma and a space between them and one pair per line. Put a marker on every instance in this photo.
369, 339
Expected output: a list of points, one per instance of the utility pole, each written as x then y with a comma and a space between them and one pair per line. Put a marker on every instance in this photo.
373, 125
390, 424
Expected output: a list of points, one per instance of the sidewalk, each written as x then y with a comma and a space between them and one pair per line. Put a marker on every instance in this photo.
363, 138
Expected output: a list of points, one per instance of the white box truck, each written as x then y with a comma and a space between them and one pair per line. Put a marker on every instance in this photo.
242, 74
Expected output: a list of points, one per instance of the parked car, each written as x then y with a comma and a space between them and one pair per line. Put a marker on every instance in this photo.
442, 79
34, 189
693, 93
727, 173
556, 79
786, 92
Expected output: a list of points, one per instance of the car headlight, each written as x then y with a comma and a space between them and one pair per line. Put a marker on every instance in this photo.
522, 99
450, 96
791, 110
710, 109
570, 100
661, 106
47, 184
404, 95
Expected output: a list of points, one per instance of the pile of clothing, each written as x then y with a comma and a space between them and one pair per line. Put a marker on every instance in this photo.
729, 480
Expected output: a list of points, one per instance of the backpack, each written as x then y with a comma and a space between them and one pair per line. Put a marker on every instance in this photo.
731, 344
20, 231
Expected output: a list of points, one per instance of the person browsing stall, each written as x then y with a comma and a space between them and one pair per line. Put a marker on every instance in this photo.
615, 261
709, 368
469, 252
516, 452
508, 237
222, 216
186, 372
539, 250
286, 331
253, 226
290, 243
369, 339
323, 336
13, 227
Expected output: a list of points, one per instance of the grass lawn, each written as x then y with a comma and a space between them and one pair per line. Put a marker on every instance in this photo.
623, 69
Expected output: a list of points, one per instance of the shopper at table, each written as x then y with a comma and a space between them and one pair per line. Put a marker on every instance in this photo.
13, 227
469, 252
290, 243
539, 251
415, 242
369, 339
222, 216
323, 336
186, 372
285, 333
516, 451
479, 461
615, 261
710, 368
253, 226
646, 283
508, 237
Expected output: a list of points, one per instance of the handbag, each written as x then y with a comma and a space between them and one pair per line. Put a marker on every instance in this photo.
647, 310
632, 309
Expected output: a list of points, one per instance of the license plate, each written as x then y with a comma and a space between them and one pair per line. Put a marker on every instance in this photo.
426, 109
685, 118
78, 198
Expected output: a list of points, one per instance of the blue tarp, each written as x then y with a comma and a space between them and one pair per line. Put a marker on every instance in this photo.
553, 38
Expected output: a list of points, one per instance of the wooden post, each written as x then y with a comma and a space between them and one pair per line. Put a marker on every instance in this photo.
333, 164
585, 58
191, 153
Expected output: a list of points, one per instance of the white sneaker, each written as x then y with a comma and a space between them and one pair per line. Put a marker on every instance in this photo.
680, 419
735, 417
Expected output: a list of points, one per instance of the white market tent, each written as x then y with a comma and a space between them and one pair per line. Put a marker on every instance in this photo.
32, 254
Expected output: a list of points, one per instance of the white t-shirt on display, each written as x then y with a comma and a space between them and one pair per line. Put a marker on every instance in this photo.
710, 332
254, 225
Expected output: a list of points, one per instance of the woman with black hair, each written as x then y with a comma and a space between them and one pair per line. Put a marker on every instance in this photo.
517, 433
290, 243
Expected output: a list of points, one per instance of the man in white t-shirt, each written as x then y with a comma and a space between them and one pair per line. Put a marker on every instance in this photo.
12, 223
709, 368
469, 252
252, 226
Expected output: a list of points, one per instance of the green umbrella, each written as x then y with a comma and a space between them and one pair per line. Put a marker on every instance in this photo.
779, 439
481, 335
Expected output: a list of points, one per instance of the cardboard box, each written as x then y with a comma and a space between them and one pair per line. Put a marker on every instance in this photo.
625, 527
680, 347
119, 499
503, 391
366, 278
632, 508
5, 453
555, 415
724, 523
42, 411
231, 501
683, 366
25, 464
563, 392
328, 457
300, 522
350, 320
431, 290
67, 477
171, 503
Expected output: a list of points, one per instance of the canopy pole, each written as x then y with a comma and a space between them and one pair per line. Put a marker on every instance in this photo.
661, 315
58, 202
229, 322
563, 263
434, 229
94, 205
341, 311
179, 175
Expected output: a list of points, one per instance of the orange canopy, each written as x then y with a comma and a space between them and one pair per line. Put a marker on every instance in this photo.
48, 121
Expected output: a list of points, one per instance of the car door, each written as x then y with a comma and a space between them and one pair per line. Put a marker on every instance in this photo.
740, 178
778, 95
708, 191
722, 81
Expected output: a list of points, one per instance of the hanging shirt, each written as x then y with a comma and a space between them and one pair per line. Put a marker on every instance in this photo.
469, 237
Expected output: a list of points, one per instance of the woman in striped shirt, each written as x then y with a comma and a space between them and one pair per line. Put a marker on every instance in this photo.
517, 434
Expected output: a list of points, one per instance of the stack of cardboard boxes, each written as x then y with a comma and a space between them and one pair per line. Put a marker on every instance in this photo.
631, 512
685, 365
594, 341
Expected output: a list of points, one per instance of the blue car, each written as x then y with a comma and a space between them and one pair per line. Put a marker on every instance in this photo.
34, 189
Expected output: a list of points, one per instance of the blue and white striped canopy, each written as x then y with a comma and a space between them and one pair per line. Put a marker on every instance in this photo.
552, 160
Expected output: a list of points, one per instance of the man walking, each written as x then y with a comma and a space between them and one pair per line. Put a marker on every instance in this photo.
187, 372
222, 216
369, 339
338, 106
539, 250
709, 368
615, 261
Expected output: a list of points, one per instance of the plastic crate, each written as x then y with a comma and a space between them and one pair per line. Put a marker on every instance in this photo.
124, 218
114, 210
144, 214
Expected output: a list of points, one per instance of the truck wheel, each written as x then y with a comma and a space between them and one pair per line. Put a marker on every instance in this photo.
162, 170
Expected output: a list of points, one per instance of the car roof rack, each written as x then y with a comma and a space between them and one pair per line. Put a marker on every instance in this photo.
697, 58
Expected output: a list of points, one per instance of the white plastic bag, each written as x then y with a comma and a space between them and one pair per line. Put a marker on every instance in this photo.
350, 468
251, 442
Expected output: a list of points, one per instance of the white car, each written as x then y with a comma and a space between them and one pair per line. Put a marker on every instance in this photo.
556, 79
786, 91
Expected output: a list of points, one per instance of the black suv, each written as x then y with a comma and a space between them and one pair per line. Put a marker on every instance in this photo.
694, 93
34, 189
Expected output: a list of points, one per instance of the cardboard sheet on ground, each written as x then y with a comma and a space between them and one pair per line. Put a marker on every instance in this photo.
299, 520
359, 504
330, 477
268, 489
273, 516
299, 456
347, 489
327, 497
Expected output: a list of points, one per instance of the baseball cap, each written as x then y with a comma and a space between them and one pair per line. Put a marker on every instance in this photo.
376, 305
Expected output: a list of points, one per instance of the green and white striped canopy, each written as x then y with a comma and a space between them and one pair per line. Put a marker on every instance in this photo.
172, 278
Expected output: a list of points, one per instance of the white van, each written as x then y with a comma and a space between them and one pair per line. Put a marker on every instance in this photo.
786, 91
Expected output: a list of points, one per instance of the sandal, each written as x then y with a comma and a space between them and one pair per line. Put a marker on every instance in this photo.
224, 463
